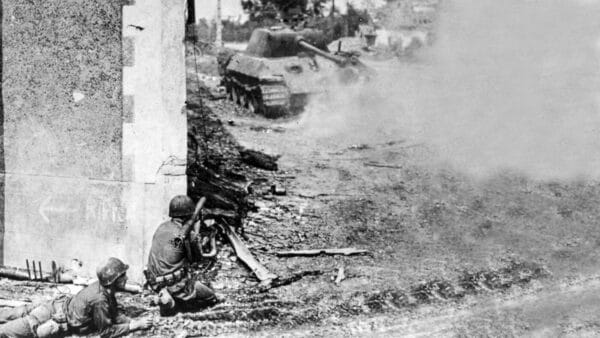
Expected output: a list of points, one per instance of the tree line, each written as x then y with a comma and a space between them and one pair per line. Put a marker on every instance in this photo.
265, 13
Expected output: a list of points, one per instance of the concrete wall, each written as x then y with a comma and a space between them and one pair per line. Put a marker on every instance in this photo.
55, 51
155, 132
94, 135
155, 82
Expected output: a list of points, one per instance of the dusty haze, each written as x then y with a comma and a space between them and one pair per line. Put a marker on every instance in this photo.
509, 84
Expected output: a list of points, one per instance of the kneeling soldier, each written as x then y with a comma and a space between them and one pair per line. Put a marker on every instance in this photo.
168, 271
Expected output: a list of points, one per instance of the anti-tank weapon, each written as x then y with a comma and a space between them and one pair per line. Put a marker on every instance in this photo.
192, 228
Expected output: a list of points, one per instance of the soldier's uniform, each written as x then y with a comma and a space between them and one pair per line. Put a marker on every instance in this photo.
168, 270
92, 310
24, 321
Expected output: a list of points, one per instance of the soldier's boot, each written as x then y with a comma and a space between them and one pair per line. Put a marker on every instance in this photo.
166, 303
205, 296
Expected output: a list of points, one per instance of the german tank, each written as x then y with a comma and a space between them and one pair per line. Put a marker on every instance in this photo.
282, 67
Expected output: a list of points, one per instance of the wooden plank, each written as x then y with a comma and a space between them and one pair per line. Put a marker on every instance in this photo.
12, 303
382, 165
340, 276
22, 274
281, 281
241, 250
259, 159
316, 252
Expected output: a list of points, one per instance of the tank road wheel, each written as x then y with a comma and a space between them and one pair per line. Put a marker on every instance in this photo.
244, 99
235, 96
230, 93
228, 90
254, 105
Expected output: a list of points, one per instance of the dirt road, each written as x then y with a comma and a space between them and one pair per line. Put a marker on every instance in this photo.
491, 256
565, 310
451, 253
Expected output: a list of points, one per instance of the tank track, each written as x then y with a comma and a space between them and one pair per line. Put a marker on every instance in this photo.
268, 99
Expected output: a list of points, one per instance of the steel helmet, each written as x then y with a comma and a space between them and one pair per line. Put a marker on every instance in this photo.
181, 206
110, 271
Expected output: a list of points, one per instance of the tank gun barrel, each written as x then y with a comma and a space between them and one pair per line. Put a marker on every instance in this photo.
337, 59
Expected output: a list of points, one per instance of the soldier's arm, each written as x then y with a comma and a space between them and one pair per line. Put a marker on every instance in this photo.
103, 323
121, 319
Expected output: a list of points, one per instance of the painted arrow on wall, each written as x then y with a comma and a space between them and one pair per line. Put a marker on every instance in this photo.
46, 208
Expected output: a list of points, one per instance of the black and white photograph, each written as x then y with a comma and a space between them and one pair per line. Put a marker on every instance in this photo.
299, 168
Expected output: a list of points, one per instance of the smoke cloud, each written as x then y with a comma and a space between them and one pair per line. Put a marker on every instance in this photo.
510, 84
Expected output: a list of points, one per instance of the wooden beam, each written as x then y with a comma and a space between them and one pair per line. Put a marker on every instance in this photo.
241, 250
316, 252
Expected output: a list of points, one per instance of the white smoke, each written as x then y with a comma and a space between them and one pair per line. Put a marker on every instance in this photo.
510, 84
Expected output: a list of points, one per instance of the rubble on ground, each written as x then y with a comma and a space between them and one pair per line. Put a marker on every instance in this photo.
270, 213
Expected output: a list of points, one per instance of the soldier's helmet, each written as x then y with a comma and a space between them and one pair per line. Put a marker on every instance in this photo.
110, 271
181, 206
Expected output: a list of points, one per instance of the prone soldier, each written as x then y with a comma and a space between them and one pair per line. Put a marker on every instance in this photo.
91, 310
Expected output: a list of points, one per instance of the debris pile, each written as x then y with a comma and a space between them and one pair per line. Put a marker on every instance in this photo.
219, 168
57, 275
259, 159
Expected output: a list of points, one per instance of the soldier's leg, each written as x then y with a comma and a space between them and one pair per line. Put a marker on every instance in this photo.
195, 296
40, 315
6, 315
42, 312
26, 320
17, 328
166, 303
205, 296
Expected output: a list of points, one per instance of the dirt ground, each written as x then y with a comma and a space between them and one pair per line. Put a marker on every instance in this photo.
450, 255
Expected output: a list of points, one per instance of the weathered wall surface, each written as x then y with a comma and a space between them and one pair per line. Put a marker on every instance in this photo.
155, 131
62, 87
62, 76
94, 137
154, 86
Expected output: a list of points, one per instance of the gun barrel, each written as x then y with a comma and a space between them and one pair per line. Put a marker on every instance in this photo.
337, 59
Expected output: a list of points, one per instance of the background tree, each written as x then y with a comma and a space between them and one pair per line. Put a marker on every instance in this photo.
258, 9
356, 17
268, 12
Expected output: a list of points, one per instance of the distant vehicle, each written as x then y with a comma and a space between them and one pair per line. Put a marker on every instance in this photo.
368, 34
282, 67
